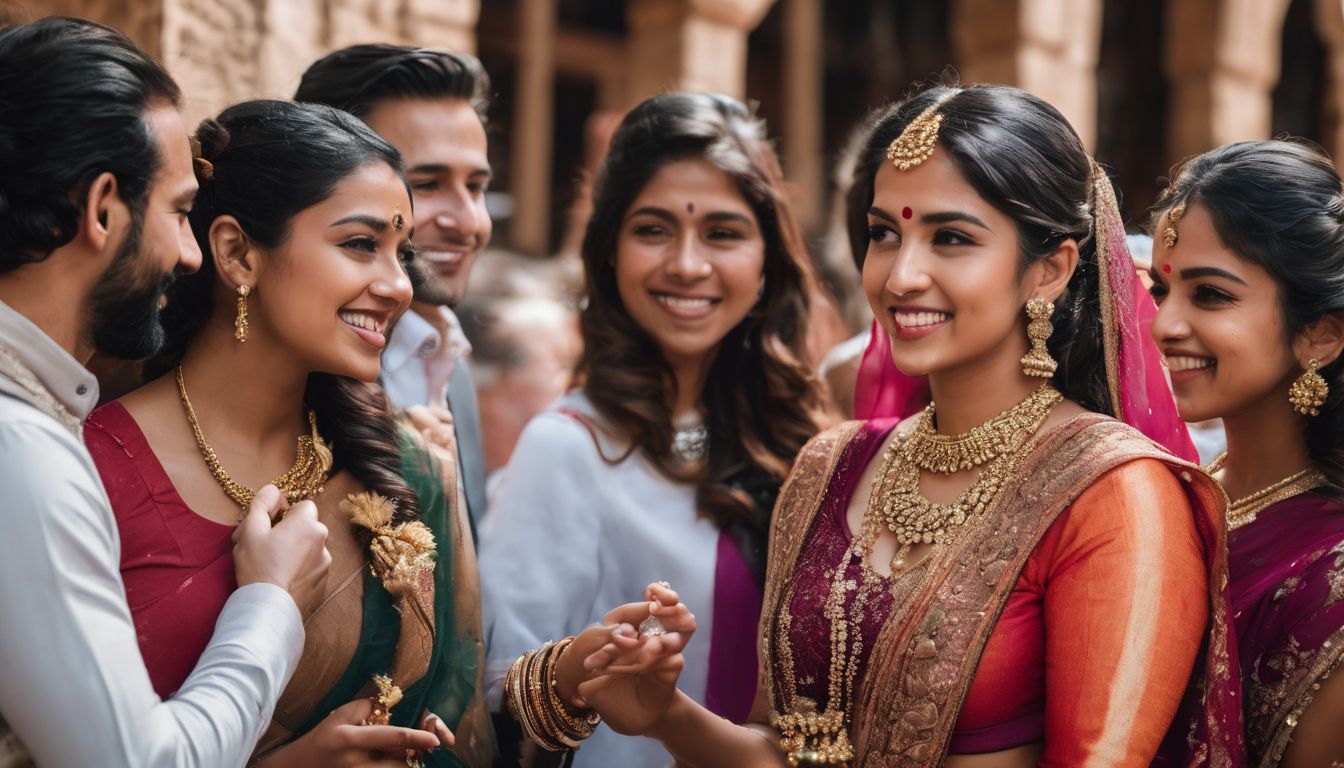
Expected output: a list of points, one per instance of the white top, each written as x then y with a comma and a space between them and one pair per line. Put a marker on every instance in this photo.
569, 537
75, 690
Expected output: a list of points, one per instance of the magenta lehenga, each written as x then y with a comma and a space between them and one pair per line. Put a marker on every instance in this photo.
1286, 586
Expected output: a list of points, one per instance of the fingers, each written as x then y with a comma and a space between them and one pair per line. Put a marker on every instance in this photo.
267, 502
660, 591
620, 639
389, 738
435, 725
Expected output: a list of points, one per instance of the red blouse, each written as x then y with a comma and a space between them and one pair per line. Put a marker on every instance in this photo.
1108, 612
167, 550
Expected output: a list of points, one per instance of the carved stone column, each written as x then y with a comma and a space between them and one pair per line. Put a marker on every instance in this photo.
1047, 47
693, 45
1222, 64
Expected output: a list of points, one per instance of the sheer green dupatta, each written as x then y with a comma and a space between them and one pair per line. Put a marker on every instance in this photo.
452, 688
451, 685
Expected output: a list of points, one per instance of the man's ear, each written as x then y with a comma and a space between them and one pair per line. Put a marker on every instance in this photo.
106, 218
235, 256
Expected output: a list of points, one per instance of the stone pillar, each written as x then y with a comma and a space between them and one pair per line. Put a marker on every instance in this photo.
691, 45
533, 128
1330, 26
1047, 47
1222, 62
804, 105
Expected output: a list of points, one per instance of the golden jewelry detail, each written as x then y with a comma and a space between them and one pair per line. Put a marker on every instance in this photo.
1038, 362
916, 143
304, 480
916, 520
240, 322
949, 454
1245, 510
387, 697
822, 738
1308, 391
530, 695
398, 553
1170, 235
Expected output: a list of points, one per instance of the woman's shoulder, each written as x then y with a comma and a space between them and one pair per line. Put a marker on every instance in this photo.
113, 436
571, 429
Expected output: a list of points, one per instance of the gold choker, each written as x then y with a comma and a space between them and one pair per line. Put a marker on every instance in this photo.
306, 479
1245, 510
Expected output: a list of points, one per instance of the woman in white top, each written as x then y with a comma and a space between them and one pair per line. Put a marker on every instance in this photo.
693, 400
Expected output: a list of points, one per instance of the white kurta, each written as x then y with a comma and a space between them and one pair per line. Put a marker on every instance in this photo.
569, 537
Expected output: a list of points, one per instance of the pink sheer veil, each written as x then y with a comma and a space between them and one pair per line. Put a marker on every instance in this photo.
1140, 393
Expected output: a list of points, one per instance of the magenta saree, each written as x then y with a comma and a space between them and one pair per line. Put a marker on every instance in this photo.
1286, 586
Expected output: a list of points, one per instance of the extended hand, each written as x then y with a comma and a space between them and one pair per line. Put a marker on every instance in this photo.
632, 679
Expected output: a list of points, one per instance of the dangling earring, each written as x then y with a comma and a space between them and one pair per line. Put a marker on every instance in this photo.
1308, 392
240, 322
1038, 361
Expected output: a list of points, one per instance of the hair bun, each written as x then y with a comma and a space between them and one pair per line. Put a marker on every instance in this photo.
213, 138
208, 144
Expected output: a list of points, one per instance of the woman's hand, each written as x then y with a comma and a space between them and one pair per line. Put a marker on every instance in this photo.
342, 741
435, 426
631, 679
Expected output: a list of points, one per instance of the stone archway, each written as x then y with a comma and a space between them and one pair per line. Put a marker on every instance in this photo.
1222, 64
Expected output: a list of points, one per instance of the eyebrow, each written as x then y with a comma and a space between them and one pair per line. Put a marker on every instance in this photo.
942, 217
666, 215
1195, 273
443, 168
372, 222
186, 198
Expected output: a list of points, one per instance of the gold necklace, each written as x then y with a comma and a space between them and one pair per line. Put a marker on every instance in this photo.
1245, 510
822, 738
917, 520
306, 479
949, 454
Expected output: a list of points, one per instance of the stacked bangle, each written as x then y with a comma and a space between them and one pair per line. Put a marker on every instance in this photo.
530, 691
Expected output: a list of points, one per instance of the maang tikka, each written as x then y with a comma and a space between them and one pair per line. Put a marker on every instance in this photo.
916, 143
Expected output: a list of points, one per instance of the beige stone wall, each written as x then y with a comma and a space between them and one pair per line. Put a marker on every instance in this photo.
224, 51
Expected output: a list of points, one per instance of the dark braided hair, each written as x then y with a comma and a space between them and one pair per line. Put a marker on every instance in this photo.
270, 160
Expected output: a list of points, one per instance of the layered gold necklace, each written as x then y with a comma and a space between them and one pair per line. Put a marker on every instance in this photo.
304, 480
1245, 510
822, 738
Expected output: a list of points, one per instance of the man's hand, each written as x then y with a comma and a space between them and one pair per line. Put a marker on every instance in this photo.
292, 554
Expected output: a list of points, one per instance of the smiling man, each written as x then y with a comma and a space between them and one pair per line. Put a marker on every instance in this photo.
430, 104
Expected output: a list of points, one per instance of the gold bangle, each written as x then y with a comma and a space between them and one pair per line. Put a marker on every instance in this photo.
578, 726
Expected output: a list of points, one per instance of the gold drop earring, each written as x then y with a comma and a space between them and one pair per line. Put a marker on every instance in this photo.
1308, 392
1038, 361
240, 322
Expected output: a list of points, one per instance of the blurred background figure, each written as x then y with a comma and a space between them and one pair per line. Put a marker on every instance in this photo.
521, 320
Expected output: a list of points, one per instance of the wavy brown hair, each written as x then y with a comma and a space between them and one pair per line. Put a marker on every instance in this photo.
760, 399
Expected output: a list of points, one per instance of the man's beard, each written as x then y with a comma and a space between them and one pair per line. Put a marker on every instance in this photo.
125, 310
427, 287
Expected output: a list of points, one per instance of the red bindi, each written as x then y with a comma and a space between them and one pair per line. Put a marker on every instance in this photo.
690, 207
907, 213
1166, 269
